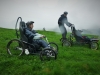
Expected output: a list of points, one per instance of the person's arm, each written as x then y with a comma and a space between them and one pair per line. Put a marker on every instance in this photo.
34, 31
67, 23
29, 34
39, 36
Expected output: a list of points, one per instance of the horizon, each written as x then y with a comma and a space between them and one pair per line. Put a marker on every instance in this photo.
84, 14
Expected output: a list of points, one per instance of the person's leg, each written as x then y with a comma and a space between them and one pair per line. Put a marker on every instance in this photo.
43, 43
63, 31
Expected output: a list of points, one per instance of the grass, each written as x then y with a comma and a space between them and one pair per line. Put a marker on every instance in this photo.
76, 60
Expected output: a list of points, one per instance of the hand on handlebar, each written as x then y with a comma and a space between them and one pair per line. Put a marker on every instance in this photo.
43, 36
72, 25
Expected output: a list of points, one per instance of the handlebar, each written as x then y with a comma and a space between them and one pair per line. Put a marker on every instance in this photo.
72, 25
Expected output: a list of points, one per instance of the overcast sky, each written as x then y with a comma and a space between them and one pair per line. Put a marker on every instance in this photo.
83, 14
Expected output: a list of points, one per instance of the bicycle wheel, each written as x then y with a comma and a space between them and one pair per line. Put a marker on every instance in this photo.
94, 45
66, 43
54, 47
48, 54
15, 47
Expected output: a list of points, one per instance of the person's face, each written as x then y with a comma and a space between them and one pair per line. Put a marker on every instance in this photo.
65, 15
31, 26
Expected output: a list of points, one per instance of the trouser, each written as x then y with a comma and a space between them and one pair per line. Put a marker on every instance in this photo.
63, 31
41, 43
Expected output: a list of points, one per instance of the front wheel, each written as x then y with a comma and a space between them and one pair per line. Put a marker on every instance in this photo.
54, 47
48, 54
66, 43
15, 47
94, 45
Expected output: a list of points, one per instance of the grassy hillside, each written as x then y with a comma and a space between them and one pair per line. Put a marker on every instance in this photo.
76, 60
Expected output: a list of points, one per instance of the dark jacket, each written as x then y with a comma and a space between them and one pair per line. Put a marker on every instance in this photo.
62, 20
30, 34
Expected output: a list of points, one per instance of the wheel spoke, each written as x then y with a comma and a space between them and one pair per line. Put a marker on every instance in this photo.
94, 45
47, 54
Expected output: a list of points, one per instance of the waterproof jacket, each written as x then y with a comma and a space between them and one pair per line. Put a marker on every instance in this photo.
62, 20
30, 34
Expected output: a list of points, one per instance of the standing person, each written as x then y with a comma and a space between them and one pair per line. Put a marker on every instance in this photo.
61, 21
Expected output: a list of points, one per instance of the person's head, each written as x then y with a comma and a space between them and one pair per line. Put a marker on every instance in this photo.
30, 24
65, 13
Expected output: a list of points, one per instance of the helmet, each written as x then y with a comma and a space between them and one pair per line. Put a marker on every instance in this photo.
65, 12
29, 23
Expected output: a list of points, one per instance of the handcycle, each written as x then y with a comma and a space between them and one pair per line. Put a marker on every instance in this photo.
20, 45
80, 39
76, 37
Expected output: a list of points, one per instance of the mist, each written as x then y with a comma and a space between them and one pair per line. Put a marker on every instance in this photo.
84, 14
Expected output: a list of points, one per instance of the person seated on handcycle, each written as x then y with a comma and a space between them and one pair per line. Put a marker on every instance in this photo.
33, 36
77, 34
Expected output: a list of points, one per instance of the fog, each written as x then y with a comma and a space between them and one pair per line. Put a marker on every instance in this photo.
84, 14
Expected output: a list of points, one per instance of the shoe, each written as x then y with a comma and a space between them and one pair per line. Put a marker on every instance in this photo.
26, 52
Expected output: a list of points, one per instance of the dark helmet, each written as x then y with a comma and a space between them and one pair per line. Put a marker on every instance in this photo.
65, 12
29, 23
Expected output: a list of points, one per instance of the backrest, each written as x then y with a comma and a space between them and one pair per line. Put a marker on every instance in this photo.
73, 31
22, 27
76, 33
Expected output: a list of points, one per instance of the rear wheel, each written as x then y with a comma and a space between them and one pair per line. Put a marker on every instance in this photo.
15, 47
48, 54
94, 45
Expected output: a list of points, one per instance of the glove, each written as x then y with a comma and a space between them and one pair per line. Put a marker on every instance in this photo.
72, 25
43, 36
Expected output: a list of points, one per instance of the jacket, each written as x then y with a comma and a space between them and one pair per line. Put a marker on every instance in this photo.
30, 34
62, 20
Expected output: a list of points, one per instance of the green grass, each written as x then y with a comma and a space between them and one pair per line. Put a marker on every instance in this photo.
76, 60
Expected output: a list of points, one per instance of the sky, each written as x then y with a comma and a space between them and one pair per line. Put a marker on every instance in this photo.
83, 14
